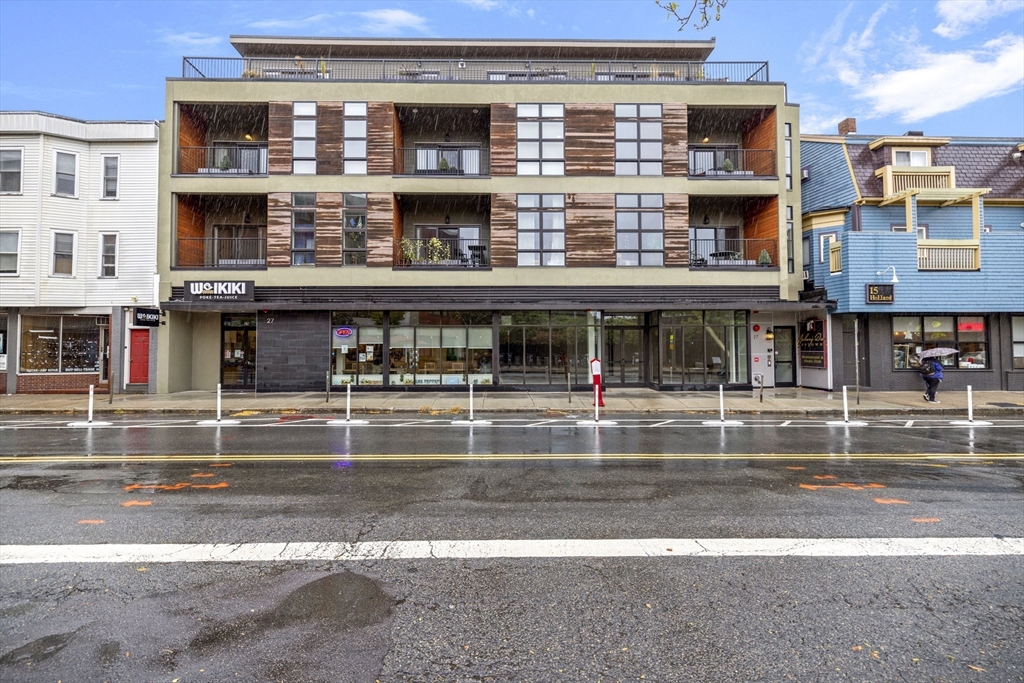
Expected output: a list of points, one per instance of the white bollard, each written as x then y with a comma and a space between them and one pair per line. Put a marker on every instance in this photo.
89, 422
218, 402
348, 411
970, 405
597, 409
471, 422
218, 422
90, 403
721, 411
846, 414
970, 413
597, 412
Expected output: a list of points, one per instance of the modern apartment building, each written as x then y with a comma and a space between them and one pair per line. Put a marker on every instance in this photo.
919, 241
78, 227
410, 213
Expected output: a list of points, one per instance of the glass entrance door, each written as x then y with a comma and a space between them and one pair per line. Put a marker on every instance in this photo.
785, 352
238, 352
624, 356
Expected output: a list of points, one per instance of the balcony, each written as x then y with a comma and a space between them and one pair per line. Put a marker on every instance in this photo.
226, 253
899, 179
442, 253
471, 70
223, 160
449, 160
948, 255
731, 163
733, 253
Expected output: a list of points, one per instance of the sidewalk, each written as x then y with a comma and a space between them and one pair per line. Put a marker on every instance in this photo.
791, 401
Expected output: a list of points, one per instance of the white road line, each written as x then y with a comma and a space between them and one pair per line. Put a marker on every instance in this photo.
663, 423
910, 423
786, 423
484, 549
538, 424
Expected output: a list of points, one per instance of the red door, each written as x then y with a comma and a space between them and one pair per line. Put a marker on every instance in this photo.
138, 365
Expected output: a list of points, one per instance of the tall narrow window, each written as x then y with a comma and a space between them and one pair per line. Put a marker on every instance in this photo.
304, 138
639, 230
10, 170
303, 228
354, 149
1017, 330
789, 157
638, 148
354, 220
108, 254
540, 139
9, 242
541, 230
110, 172
66, 171
790, 255
63, 253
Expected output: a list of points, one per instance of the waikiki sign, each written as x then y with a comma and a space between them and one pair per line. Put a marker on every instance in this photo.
225, 290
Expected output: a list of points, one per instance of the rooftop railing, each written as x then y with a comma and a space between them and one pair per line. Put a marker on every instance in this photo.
547, 71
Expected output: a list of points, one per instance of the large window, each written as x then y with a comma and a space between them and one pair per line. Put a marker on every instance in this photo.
304, 138
66, 172
64, 253
303, 228
542, 347
966, 333
354, 219
540, 139
108, 254
1017, 325
357, 348
354, 148
638, 139
10, 241
111, 164
639, 230
440, 348
10, 170
60, 344
703, 348
540, 228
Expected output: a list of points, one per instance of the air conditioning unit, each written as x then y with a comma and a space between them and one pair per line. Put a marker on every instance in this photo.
805, 174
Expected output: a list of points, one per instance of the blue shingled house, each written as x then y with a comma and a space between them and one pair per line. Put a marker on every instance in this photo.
916, 242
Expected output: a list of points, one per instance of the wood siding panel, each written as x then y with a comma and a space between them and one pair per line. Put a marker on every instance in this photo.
380, 143
503, 231
673, 137
503, 139
330, 138
328, 228
279, 229
380, 229
761, 135
191, 226
191, 133
761, 219
279, 138
589, 139
677, 230
590, 230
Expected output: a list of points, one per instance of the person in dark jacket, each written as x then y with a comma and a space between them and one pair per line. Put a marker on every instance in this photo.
931, 373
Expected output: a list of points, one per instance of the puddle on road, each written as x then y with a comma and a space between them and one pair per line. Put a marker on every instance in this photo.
37, 650
22, 483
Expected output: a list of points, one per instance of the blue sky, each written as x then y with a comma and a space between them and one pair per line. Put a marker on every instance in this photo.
947, 67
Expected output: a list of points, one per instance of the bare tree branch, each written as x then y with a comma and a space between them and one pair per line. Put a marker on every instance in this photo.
701, 6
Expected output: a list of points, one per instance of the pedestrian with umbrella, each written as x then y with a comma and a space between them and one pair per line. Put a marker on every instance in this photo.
931, 370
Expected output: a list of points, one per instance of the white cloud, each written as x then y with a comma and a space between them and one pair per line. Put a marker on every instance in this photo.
191, 39
960, 17
384, 21
290, 23
485, 5
944, 82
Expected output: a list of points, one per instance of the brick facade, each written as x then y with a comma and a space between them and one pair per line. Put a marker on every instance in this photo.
60, 383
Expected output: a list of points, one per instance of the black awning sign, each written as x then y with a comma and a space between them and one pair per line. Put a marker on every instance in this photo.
147, 317
880, 294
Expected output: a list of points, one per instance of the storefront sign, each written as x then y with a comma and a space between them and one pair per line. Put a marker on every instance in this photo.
237, 290
879, 294
344, 332
147, 317
812, 344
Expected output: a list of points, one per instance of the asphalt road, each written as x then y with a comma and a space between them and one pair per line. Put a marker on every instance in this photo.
498, 615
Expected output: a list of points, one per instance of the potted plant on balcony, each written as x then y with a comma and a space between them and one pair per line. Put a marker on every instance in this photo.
225, 163
442, 165
764, 259
728, 166
437, 251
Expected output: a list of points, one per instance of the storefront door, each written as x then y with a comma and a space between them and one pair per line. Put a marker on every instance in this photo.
238, 352
138, 362
624, 355
785, 353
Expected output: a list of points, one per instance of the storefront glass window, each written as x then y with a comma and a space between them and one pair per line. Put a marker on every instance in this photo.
403, 355
967, 334
60, 344
541, 347
428, 355
703, 348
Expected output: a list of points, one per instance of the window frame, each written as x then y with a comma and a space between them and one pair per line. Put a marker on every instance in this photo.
117, 248
17, 253
911, 151
103, 177
346, 158
541, 160
922, 229
540, 210
296, 209
353, 210
639, 210
305, 117
639, 140
1017, 342
21, 170
956, 342
823, 239
53, 252
56, 193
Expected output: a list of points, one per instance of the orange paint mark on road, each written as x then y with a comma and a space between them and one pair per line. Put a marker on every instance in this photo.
201, 474
220, 464
158, 487
133, 503
825, 476
221, 485
90, 521
796, 468
842, 485
925, 520
891, 501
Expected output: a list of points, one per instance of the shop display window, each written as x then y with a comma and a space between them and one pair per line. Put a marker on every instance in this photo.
60, 344
967, 334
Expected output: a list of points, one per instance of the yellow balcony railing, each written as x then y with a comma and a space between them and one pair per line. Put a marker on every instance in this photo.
948, 255
835, 257
897, 179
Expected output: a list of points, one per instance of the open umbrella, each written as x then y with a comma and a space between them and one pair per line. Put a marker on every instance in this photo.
940, 351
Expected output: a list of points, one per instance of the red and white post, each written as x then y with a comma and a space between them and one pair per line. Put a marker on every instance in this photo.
595, 370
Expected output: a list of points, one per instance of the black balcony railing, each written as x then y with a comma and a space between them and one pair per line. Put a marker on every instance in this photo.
442, 252
732, 163
733, 253
238, 253
547, 71
443, 161
247, 160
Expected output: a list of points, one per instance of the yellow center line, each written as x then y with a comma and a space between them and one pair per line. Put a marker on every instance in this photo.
411, 457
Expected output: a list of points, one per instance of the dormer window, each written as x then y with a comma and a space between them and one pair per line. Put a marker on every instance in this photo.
911, 157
